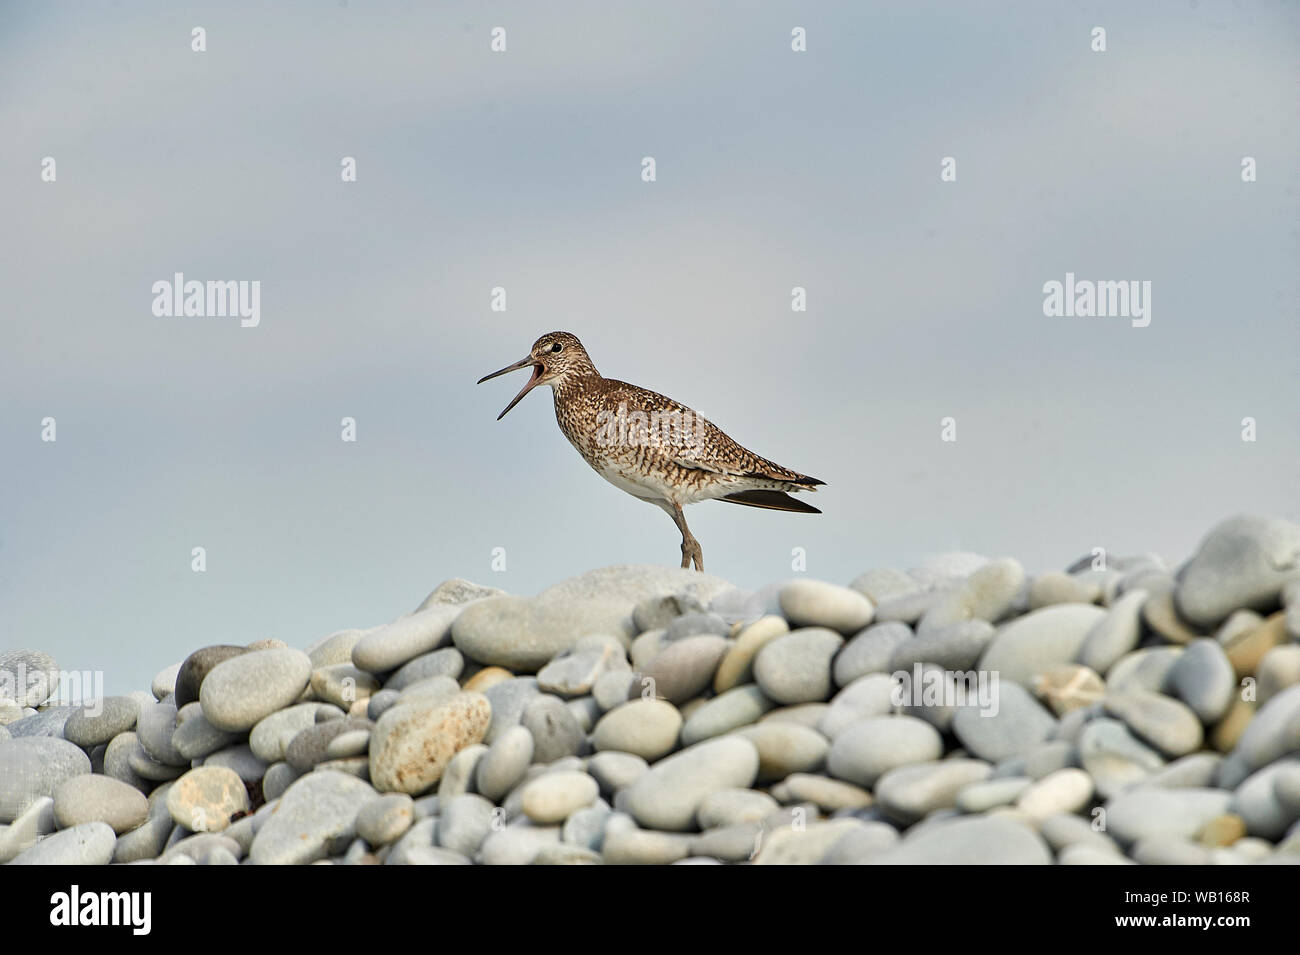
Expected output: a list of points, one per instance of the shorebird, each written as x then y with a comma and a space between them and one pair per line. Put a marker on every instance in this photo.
650, 446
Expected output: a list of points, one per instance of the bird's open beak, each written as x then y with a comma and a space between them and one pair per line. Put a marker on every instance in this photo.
532, 382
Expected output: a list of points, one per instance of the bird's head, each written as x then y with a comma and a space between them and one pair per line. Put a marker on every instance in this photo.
555, 358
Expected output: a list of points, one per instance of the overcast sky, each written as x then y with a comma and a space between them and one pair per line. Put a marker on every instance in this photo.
522, 169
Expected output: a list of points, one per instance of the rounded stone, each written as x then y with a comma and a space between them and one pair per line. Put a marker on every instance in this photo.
505, 763
28, 677
272, 735
194, 737
316, 812
388, 647
869, 651
385, 819
615, 771
310, 746
90, 843
908, 793
987, 594
1114, 757
239, 692
785, 748
954, 646
1028, 645
32, 767
869, 748
1115, 634
1145, 812
796, 667
731, 807
447, 661
727, 711
195, 668
155, 726
814, 603
204, 799
737, 665
342, 684
413, 742
555, 730
1242, 562
91, 798
1064, 791
867, 696
553, 797
982, 840
1168, 725
647, 728
1016, 724
164, 682
98, 722
682, 669
667, 796
829, 795
1069, 686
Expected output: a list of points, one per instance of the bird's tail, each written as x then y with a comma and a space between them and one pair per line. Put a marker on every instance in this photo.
772, 500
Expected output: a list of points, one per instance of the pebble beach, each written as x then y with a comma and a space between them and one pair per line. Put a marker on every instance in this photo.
1121, 710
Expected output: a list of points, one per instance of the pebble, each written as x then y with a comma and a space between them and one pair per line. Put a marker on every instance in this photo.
517, 845
829, 795
555, 730
117, 761
389, 647
336, 648
615, 771
194, 737
1018, 723
465, 822
316, 815
813, 603
1055, 587
695, 624
805, 845
90, 843
785, 748
457, 592
885, 583
867, 696
647, 728
1146, 669
1115, 634
981, 796
95, 798
681, 670
1248, 649
727, 711
1278, 669
869, 651
1242, 562
28, 677
524, 634
49, 722
154, 728
508, 698
194, 670
796, 667
1165, 724
97, 723
1064, 791
858, 844
737, 665
1204, 679
204, 799
1273, 733
164, 682
32, 767
1066, 687
980, 840
639, 847
734, 806
241, 691
987, 594
458, 777
611, 688
1147, 812
342, 684
1028, 645
908, 793
347, 745
272, 735
667, 796
1114, 757
575, 672
953, 646
310, 746
553, 797
413, 742
505, 762
868, 748
1256, 802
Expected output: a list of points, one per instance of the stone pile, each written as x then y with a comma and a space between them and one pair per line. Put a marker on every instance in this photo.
959, 712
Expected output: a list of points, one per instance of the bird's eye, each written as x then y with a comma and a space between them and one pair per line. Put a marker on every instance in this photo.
556, 347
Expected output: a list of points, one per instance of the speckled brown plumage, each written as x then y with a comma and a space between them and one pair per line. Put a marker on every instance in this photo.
656, 449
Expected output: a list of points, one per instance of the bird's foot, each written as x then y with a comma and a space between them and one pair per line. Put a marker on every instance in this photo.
692, 552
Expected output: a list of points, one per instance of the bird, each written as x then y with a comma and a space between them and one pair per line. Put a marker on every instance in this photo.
654, 448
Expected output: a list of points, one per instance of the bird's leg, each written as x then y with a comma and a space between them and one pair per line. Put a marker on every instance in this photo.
691, 549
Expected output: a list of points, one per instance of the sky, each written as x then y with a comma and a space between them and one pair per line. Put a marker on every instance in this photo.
475, 169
